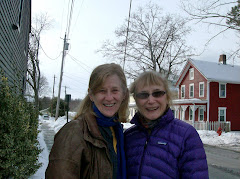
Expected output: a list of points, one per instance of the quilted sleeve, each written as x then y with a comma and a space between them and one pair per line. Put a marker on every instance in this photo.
192, 161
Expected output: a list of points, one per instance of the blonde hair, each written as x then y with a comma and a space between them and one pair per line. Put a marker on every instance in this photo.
97, 79
149, 78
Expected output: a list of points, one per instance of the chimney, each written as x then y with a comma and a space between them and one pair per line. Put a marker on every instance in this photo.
222, 59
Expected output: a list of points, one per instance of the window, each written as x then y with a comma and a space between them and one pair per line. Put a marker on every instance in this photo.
190, 114
222, 90
191, 90
200, 114
191, 74
201, 89
183, 91
222, 114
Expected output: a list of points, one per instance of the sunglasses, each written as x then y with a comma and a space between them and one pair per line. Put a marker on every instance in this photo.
145, 95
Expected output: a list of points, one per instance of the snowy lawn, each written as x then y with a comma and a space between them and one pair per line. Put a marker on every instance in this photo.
230, 140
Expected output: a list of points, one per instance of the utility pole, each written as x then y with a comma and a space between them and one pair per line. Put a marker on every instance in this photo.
65, 90
53, 85
125, 50
53, 93
65, 97
65, 47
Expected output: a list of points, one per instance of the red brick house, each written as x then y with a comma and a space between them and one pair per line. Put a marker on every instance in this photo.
209, 95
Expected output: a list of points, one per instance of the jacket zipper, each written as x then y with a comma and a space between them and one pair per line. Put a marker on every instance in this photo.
143, 156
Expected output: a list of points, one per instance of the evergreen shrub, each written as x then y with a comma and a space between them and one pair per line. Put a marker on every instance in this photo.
19, 147
62, 107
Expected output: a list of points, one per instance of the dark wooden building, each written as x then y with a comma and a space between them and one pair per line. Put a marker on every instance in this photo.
15, 26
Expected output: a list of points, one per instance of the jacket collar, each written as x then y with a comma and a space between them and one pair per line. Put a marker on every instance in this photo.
91, 132
164, 120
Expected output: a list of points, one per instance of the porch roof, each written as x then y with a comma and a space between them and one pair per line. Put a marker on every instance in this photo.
187, 101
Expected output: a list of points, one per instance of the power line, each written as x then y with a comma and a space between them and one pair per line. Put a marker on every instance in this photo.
62, 21
67, 16
78, 15
73, 88
76, 76
77, 61
47, 55
70, 19
77, 81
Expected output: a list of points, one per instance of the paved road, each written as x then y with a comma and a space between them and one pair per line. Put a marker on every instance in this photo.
222, 163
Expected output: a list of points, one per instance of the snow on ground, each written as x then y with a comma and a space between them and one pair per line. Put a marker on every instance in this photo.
43, 158
230, 140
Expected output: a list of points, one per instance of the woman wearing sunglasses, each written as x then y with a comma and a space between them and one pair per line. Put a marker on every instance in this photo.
158, 145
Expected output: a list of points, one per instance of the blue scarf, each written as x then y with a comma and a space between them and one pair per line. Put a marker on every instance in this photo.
108, 122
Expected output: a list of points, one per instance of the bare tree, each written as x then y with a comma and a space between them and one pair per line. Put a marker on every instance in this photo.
220, 13
43, 87
155, 42
41, 23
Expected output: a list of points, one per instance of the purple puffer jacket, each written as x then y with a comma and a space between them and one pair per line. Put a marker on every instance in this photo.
172, 150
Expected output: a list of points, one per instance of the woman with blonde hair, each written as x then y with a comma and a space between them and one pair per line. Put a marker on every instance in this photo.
92, 146
159, 145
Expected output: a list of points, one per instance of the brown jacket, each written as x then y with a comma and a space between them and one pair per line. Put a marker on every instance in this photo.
79, 151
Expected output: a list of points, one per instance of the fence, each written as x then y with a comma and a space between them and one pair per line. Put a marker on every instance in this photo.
211, 126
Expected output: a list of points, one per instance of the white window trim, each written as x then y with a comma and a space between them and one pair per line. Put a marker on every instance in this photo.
225, 113
199, 114
191, 71
201, 83
220, 90
190, 114
182, 86
192, 84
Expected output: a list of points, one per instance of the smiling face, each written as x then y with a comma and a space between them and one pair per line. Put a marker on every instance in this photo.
109, 96
152, 107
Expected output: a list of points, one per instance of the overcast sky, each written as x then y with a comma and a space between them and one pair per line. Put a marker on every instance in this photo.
94, 21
